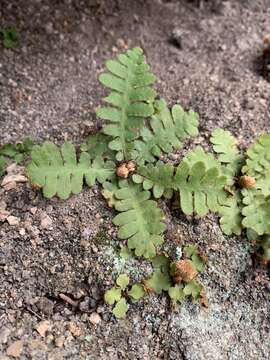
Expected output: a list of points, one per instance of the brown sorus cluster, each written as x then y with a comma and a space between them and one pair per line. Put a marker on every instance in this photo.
247, 182
183, 270
125, 169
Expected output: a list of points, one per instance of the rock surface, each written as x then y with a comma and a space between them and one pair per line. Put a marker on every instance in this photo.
49, 90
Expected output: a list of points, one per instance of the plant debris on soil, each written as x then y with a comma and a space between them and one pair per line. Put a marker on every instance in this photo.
58, 258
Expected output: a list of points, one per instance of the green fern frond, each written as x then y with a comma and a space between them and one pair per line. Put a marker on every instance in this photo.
160, 279
158, 177
230, 212
167, 131
256, 211
224, 144
98, 146
58, 172
198, 154
139, 221
131, 99
258, 164
200, 184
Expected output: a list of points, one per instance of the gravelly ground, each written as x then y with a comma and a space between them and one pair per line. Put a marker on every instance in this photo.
49, 89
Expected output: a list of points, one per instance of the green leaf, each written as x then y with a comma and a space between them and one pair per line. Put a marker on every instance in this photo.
176, 293
198, 262
113, 295
193, 288
160, 279
125, 253
225, 145
9, 37
122, 281
230, 213
258, 161
158, 177
120, 309
98, 146
2, 165
252, 235
161, 262
58, 172
8, 150
256, 211
168, 130
199, 185
136, 292
25, 147
190, 250
159, 282
18, 151
131, 100
258, 164
198, 154
139, 221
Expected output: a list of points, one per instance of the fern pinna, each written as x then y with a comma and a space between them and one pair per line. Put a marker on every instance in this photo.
138, 129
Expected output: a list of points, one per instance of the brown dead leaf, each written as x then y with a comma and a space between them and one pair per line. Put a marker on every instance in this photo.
13, 178
15, 174
43, 327
15, 348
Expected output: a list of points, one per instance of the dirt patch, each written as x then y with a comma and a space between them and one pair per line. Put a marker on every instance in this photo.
49, 90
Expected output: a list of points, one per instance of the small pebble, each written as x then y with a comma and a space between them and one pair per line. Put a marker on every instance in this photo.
13, 220
94, 318
46, 222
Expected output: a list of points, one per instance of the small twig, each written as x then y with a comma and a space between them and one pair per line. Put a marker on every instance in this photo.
34, 313
68, 300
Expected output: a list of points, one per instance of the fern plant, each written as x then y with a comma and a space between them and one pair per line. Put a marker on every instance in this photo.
138, 129
125, 159
177, 278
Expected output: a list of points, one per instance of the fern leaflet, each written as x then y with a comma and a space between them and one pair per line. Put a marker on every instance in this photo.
139, 220
258, 164
258, 161
224, 144
98, 146
200, 184
158, 177
168, 130
58, 172
256, 211
230, 212
131, 99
